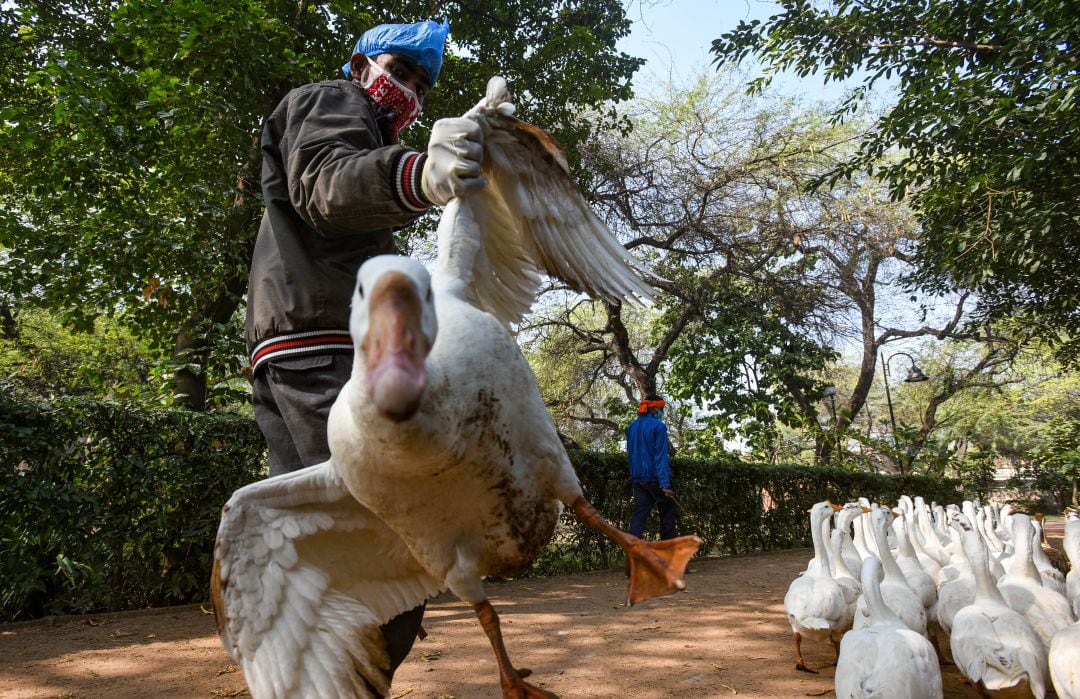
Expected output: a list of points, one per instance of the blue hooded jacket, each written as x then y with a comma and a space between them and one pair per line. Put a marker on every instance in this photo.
647, 447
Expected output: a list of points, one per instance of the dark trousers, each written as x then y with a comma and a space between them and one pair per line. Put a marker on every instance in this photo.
292, 400
645, 496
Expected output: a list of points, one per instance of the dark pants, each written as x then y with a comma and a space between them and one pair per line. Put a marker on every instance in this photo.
292, 400
645, 496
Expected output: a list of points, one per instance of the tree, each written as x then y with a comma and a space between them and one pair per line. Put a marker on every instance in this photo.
50, 360
129, 180
761, 278
988, 399
698, 191
987, 129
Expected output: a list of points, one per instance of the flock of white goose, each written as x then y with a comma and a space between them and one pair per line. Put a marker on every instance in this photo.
887, 584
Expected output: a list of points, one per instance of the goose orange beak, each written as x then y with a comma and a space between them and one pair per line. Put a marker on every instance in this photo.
395, 347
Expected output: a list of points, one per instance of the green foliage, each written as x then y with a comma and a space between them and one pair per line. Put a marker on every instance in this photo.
110, 506
129, 177
734, 506
987, 123
47, 358
742, 363
1061, 450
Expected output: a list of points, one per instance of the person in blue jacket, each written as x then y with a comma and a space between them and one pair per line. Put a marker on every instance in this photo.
650, 473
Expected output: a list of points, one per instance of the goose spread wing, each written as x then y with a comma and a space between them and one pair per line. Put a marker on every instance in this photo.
535, 220
304, 575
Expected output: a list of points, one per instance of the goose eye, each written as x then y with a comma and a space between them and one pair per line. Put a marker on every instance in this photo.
360, 290
428, 298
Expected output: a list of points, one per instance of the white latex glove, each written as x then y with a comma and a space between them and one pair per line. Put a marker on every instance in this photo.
452, 168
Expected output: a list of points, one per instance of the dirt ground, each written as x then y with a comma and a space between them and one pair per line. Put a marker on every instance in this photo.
725, 635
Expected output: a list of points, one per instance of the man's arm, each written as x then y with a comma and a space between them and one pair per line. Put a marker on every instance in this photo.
340, 178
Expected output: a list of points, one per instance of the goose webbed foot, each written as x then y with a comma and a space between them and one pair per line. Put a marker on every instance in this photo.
656, 567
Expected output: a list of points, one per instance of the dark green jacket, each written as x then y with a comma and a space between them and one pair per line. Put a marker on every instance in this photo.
334, 193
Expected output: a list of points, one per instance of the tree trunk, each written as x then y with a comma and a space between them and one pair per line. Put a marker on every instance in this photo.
929, 421
192, 345
620, 345
8, 329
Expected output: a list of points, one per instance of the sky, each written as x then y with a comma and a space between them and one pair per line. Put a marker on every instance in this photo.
674, 37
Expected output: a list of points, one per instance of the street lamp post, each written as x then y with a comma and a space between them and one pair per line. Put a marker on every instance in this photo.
915, 375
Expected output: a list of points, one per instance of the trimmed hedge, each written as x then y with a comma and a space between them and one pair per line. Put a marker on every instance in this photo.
109, 507
734, 506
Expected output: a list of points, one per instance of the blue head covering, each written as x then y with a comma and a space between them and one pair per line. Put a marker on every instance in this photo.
422, 41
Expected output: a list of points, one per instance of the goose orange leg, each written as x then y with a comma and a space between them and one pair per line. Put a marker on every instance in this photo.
800, 664
513, 686
656, 567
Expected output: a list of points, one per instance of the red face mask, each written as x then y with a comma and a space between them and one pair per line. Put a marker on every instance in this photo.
398, 102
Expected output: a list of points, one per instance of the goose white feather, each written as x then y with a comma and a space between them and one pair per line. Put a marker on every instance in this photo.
894, 587
993, 645
849, 584
1046, 610
917, 577
814, 602
301, 618
1064, 662
544, 224
844, 519
1051, 576
885, 659
1071, 544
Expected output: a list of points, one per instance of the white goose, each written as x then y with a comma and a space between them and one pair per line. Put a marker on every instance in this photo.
1071, 544
993, 645
1004, 525
861, 540
984, 521
916, 576
933, 541
1047, 611
849, 584
1051, 576
445, 464
1064, 661
885, 658
894, 587
844, 519
999, 554
928, 562
814, 602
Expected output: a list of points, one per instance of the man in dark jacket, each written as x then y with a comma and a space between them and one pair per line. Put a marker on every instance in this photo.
336, 184
650, 473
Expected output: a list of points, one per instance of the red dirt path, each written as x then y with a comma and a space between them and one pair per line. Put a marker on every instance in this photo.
726, 635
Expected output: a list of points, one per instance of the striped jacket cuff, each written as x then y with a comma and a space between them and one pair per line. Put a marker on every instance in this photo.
407, 173
300, 344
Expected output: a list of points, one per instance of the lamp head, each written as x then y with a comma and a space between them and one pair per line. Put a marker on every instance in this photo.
915, 375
